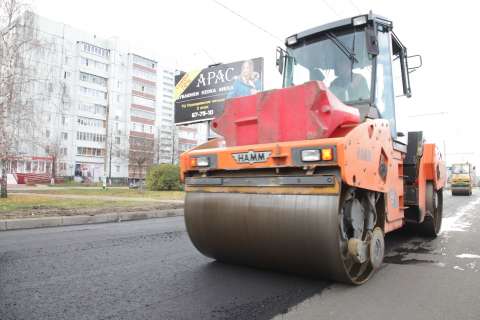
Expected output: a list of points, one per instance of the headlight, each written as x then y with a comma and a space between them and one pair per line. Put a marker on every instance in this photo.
311, 155
291, 40
358, 21
199, 162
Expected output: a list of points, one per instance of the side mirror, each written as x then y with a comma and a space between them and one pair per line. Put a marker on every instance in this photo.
280, 59
400, 134
414, 62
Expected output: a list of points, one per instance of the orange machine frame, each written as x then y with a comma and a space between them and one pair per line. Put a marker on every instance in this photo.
359, 155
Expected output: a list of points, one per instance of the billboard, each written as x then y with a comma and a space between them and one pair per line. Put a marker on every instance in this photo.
200, 95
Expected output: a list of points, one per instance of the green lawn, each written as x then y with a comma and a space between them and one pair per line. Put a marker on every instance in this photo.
33, 202
116, 192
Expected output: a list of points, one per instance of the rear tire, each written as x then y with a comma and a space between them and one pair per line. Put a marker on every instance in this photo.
431, 225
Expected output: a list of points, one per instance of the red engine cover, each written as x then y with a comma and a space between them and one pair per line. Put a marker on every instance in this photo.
307, 111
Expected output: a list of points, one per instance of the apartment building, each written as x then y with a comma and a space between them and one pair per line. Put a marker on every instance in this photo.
190, 136
109, 111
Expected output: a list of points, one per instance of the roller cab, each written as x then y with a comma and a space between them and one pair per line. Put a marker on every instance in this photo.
309, 178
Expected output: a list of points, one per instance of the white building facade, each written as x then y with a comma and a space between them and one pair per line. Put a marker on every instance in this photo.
109, 110
190, 136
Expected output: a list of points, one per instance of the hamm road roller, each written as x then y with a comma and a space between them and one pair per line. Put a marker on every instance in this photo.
463, 178
309, 178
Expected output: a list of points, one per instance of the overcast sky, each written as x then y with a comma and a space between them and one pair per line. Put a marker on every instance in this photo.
191, 34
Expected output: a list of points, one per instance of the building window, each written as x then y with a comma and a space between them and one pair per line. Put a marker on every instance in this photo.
144, 62
142, 114
117, 169
90, 152
63, 120
143, 102
117, 140
144, 74
90, 136
93, 93
89, 48
91, 78
142, 87
90, 122
93, 108
64, 136
63, 151
47, 133
94, 64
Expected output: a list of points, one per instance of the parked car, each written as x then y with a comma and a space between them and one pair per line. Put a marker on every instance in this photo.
140, 184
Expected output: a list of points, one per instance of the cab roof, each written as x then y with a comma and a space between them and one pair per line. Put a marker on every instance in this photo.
341, 24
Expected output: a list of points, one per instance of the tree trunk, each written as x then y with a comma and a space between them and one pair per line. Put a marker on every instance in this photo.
3, 191
54, 167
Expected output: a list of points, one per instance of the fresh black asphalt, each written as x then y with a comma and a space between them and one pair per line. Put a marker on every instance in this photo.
149, 270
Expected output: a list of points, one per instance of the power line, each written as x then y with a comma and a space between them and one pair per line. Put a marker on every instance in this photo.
329, 6
209, 55
248, 21
428, 114
355, 6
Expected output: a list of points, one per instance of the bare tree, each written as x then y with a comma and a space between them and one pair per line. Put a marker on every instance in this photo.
53, 143
141, 155
114, 149
17, 76
53, 148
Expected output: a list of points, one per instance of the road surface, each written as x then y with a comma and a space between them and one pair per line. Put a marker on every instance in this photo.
149, 270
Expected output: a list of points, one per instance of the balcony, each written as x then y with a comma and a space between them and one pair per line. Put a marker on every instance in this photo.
149, 82
139, 66
142, 120
144, 108
143, 95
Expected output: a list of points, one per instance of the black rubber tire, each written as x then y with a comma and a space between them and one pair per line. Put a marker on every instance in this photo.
431, 225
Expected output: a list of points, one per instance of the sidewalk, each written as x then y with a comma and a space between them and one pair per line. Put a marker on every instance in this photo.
42, 222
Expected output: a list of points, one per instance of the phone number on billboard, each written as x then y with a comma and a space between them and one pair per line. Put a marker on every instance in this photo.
202, 113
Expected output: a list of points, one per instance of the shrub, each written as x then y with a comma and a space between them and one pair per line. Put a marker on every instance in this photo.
163, 177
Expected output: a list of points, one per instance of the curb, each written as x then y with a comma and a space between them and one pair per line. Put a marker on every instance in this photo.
30, 223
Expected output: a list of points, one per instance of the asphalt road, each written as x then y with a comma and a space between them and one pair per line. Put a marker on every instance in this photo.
150, 270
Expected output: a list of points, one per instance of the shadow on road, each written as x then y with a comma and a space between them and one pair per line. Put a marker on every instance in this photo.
255, 293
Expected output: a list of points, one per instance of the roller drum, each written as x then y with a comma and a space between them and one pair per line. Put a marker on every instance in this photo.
293, 233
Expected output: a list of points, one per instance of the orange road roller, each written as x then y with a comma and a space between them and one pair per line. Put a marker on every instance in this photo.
309, 178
